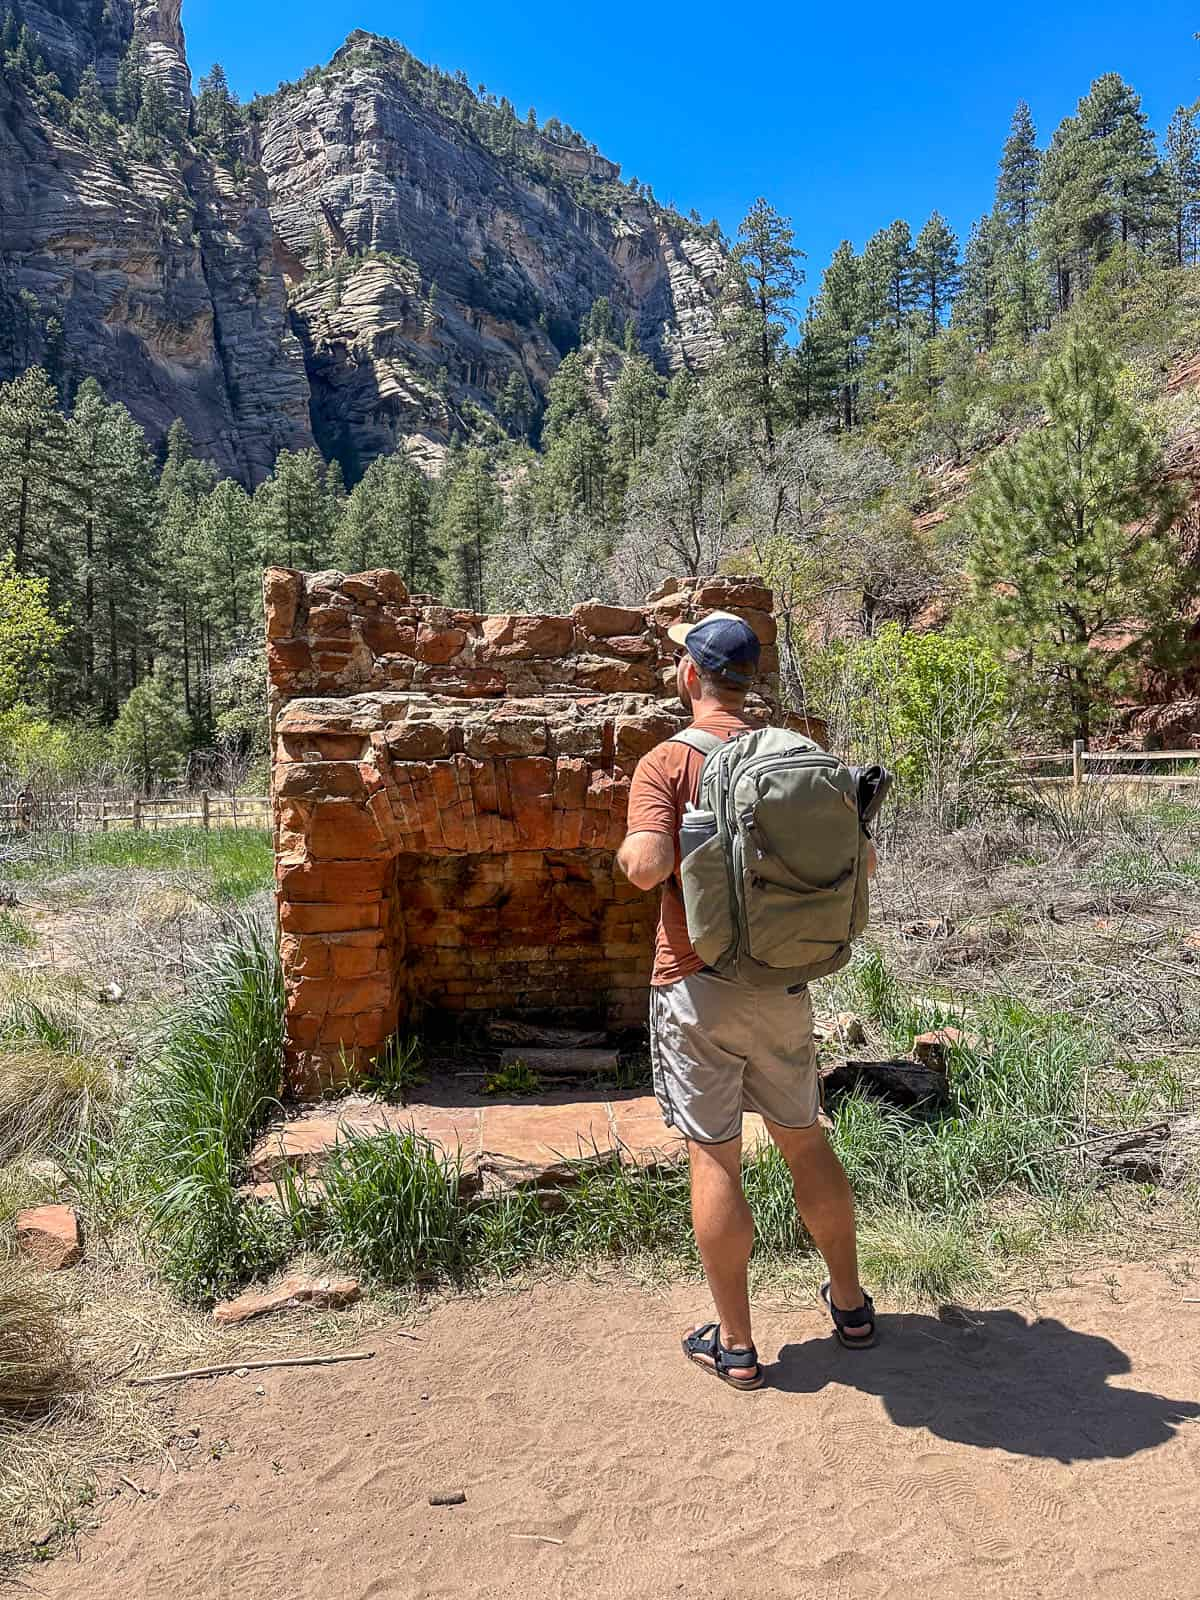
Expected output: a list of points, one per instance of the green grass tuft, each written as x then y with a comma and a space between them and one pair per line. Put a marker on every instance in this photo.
196, 1105
15, 932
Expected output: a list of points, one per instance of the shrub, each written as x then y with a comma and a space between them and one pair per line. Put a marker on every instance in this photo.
929, 705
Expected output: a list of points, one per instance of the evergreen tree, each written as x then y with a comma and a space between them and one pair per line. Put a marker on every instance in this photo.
935, 271
131, 75
1020, 167
151, 735
387, 523
766, 276
1074, 540
469, 520
112, 534
292, 514
225, 547
36, 478
514, 407
1182, 173
842, 323
979, 306
634, 416
1101, 186
217, 109
1023, 307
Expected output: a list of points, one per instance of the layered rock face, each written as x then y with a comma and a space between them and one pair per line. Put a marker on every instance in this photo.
357, 164
450, 791
164, 276
446, 268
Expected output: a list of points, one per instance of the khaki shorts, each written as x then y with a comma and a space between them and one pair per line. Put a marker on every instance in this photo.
719, 1049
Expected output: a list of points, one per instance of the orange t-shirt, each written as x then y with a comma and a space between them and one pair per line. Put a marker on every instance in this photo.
667, 777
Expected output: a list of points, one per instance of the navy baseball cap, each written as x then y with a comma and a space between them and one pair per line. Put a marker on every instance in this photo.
722, 644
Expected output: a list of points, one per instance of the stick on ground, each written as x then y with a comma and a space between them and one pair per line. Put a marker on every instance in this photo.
251, 1366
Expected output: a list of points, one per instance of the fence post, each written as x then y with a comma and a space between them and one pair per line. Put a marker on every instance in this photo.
137, 810
1077, 750
233, 808
204, 808
103, 813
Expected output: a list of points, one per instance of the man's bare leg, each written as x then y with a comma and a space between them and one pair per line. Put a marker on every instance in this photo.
826, 1207
725, 1234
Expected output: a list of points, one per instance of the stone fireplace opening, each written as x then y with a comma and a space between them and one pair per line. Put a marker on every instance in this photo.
449, 793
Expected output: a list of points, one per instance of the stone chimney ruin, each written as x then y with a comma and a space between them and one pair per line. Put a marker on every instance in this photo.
449, 793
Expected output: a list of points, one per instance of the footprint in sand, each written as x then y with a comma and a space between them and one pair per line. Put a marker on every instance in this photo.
936, 1481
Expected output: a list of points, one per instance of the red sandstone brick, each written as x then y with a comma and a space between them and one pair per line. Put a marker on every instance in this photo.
323, 779
339, 881
303, 917
506, 733
328, 620
305, 956
342, 831
439, 645
289, 655
282, 589
614, 677
520, 637
606, 622
383, 635
417, 741
762, 622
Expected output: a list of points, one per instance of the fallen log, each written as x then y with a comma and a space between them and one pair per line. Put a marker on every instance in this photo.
904, 1082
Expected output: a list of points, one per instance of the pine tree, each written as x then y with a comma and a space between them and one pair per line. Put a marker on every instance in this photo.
225, 548
766, 275
387, 523
935, 271
112, 535
292, 514
36, 480
979, 306
468, 522
1101, 185
1023, 307
634, 417
151, 735
514, 407
1020, 167
1074, 545
217, 109
842, 323
1182, 172
182, 629
131, 76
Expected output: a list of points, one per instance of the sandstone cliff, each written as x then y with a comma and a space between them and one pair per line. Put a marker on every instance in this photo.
368, 271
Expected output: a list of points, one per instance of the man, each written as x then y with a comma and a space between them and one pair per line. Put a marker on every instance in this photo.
718, 1048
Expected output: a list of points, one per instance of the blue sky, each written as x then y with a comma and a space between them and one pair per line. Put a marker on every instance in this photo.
843, 118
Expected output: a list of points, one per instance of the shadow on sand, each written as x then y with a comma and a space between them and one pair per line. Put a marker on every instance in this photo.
994, 1380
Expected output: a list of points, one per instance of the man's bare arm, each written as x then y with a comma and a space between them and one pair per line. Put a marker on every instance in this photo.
647, 859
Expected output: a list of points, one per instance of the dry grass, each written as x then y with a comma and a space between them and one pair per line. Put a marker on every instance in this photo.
49, 1097
34, 1364
59, 1461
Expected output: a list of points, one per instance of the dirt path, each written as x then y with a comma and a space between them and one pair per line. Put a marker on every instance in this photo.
1010, 1456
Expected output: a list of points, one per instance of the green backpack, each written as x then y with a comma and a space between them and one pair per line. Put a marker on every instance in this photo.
774, 859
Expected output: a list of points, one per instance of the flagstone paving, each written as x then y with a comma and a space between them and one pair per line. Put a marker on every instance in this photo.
517, 1137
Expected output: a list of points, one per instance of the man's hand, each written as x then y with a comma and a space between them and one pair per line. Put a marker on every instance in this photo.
647, 859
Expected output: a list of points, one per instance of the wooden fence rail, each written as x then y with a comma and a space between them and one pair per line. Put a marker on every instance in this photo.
1084, 766
91, 814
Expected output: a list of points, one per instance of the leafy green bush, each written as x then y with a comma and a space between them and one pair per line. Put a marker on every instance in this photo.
929, 705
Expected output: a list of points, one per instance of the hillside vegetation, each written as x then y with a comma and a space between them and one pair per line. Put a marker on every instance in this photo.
837, 453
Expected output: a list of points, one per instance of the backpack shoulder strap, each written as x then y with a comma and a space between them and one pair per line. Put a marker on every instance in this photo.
697, 739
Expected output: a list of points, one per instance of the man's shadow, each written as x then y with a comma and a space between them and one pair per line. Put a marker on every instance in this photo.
991, 1379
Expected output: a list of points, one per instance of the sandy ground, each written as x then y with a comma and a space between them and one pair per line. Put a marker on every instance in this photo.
993, 1452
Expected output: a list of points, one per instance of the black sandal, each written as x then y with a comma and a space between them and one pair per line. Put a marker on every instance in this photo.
704, 1347
852, 1319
